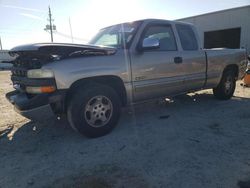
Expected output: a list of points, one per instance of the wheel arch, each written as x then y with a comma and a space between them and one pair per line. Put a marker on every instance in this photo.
114, 82
222, 91
232, 67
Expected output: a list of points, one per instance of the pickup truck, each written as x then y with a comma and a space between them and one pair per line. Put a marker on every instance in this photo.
122, 65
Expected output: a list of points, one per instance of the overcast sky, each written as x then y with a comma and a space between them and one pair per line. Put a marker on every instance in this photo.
23, 21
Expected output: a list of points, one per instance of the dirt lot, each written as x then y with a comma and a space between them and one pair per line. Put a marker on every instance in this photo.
195, 141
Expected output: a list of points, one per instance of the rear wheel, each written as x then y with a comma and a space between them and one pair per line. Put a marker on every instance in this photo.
94, 111
226, 87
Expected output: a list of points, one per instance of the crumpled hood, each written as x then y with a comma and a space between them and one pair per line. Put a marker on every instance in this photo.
32, 56
63, 50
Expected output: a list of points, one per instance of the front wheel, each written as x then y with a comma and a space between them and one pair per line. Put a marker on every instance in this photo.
94, 111
226, 87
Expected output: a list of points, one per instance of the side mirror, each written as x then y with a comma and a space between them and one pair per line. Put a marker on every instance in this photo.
150, 44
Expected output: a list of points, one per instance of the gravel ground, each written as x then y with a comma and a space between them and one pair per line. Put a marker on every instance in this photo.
193, 141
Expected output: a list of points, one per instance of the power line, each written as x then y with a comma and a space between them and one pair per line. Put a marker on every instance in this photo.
69, 36
14, 31
17, 32
28, 28
23, 8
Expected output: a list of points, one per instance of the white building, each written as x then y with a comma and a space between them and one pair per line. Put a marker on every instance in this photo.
227, 28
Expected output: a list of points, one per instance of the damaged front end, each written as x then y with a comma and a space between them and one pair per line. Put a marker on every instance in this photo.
34, 86
34, 56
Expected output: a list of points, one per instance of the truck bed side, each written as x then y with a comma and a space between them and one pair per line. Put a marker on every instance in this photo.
219, 59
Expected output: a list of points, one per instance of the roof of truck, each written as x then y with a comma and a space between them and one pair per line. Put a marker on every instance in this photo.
163, 20
152, 20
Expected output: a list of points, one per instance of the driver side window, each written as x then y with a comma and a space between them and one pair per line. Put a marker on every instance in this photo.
165, 36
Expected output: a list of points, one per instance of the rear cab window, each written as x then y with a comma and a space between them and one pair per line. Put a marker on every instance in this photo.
187, 37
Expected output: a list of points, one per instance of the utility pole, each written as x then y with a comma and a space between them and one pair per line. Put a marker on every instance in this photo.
1, 47
50, 24
50, 28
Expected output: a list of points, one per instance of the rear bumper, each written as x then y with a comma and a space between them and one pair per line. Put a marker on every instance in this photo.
36, 107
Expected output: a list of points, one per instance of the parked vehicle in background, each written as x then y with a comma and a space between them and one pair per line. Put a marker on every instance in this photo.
122, 65
4, 60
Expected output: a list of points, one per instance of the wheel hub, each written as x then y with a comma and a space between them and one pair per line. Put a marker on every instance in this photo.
98, 111
228, 84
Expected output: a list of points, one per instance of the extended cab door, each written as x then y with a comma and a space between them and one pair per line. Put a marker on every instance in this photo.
193, 57
157, 72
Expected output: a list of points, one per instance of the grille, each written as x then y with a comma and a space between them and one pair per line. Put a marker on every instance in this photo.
20, 72
21, 66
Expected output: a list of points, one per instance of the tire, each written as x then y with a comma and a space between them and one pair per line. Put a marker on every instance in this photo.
94, 111
226, 87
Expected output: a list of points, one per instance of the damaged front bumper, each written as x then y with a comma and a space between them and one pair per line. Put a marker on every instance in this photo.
37, 107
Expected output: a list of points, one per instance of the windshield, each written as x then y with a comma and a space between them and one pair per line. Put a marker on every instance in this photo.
118, 36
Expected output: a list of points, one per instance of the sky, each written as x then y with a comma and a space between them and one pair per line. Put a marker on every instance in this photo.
23, 21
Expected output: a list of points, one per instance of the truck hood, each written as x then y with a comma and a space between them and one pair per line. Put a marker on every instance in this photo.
36, 55
60, 50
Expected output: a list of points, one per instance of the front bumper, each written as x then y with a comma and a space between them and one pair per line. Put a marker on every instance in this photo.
36, 107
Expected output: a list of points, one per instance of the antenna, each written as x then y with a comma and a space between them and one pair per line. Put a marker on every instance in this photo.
71, 33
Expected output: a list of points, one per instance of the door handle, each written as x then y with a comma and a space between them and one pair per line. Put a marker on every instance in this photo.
178, 60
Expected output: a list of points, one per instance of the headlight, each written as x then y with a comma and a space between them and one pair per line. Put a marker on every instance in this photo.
40, 73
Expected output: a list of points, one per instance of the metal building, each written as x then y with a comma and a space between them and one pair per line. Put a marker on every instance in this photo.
227, 28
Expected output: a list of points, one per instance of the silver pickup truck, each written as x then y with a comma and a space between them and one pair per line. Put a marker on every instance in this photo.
122, 65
